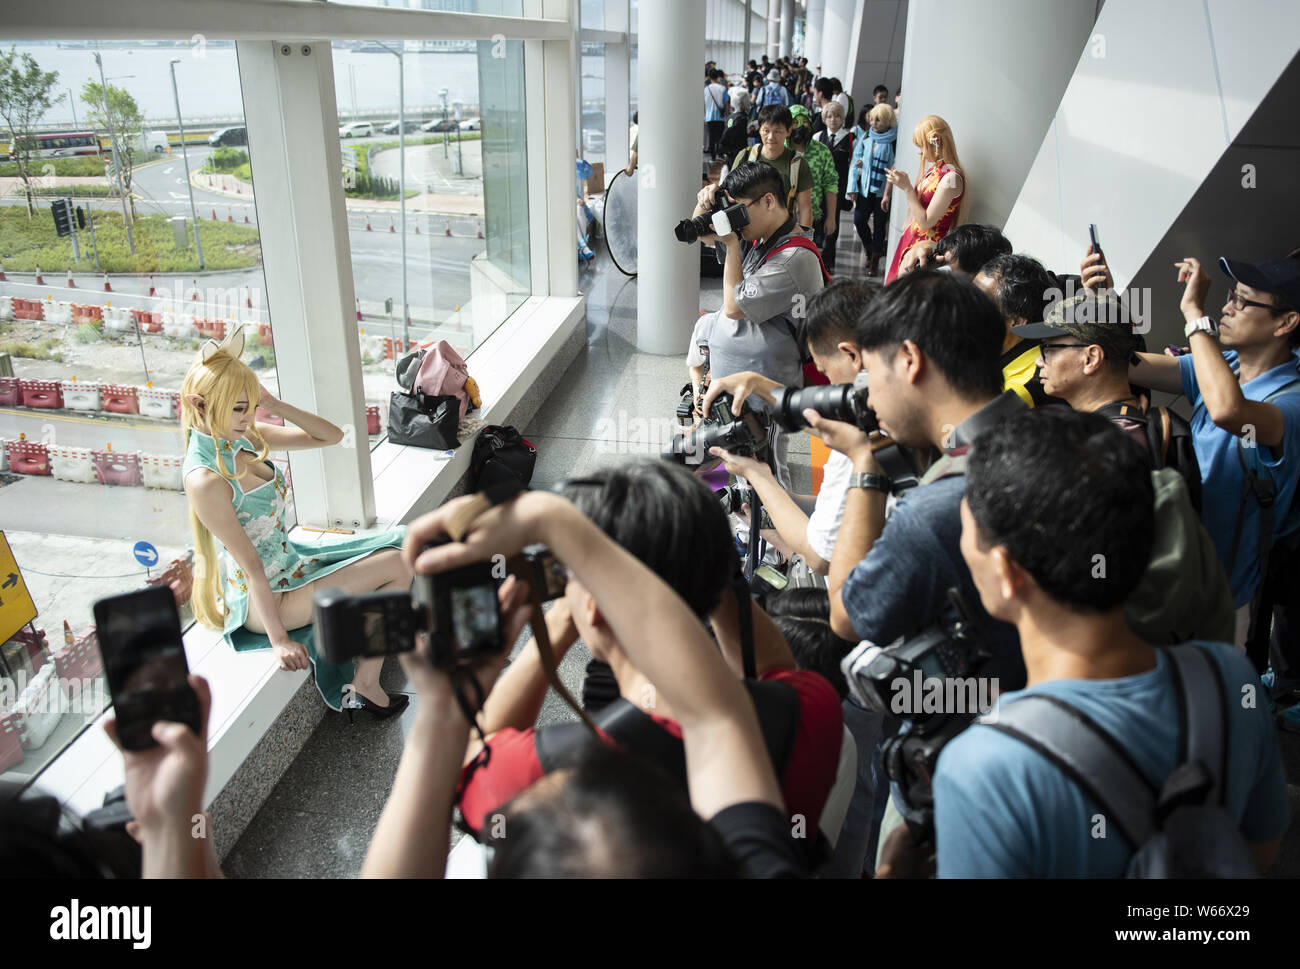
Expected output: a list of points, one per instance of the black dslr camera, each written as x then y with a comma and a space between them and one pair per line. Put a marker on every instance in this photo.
723, 220
745, 435
932, 681
459, 610
848, 403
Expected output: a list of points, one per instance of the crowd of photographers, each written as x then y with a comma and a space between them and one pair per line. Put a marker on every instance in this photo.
1034, 623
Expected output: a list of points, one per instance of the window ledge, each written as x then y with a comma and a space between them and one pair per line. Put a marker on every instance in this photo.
248, 689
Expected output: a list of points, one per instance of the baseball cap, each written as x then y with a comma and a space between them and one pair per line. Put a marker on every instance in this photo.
1280, 277
1101, 319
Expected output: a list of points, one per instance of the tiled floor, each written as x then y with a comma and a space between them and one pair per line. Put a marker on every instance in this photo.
610, 406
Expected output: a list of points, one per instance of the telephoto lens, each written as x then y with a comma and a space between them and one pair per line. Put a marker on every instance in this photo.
690, 230
835, 402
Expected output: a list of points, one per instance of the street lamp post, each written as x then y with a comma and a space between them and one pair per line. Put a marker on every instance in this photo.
72, 103
186, 160
117, 166
401, 182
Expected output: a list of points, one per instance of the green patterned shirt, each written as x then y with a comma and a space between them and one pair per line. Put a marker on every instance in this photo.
825, 177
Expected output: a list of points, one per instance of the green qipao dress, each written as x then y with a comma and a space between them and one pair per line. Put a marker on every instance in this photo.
289, 564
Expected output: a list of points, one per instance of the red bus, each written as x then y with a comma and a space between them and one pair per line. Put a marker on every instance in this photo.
62, 144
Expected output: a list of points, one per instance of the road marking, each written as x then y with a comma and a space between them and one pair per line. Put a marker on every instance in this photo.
86, 420
168, 171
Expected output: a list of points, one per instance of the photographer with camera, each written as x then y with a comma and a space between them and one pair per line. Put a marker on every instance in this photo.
1023, 290
829, 335
595, 826
930, 343
769, 274
1049, 494
670, 521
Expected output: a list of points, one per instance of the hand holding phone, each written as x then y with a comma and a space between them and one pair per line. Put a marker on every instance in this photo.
144, 660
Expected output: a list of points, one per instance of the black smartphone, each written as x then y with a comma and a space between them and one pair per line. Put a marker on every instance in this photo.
1092, 236
144, 660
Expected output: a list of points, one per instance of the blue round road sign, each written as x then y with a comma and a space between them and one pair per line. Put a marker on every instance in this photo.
145, 554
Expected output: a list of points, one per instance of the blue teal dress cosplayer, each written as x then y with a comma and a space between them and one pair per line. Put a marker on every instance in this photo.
289, 564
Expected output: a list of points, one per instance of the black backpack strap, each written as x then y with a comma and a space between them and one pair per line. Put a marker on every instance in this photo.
1076, 745
1202, 713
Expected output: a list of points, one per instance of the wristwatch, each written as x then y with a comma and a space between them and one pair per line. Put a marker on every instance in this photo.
1204, 325
872, 482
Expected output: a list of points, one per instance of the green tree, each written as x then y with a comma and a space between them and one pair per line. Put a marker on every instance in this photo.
128, 126
25, 96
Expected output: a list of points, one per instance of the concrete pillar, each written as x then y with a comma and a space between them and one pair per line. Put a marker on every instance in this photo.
837, 23
671, 33
618, 117
773, 29
787, 27
812, 32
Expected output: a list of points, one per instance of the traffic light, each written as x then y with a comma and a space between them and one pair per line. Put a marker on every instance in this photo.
62, 210
81, 217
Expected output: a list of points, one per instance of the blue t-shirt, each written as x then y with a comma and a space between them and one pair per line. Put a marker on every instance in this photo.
901, 587
1003, 810
1222, 477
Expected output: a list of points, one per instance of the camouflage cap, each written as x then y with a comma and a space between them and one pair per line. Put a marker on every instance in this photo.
1100, 318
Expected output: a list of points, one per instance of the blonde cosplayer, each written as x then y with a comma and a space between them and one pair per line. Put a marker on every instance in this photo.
933, 136
220, 378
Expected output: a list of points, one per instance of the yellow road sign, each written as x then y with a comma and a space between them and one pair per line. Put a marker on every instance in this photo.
16, 606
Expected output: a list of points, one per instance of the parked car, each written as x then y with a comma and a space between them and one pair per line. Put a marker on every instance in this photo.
228, 136
392, 126
357, 129
471, 124
444, 124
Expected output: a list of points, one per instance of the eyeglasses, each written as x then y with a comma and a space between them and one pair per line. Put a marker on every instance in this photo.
1240, 302
1044, 347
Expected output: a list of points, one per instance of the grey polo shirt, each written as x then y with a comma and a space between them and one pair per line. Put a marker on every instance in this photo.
774, 298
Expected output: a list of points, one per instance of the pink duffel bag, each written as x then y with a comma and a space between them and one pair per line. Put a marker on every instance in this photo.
436, 371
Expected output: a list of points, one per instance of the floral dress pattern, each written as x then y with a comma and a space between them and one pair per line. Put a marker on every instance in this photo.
289, 563
929, 184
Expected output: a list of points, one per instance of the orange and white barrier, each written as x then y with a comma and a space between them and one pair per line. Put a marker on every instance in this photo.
162, 471
156, 402
117, 468
80, 396
10, 392
72, 463
120, 399
28, 457
42, 394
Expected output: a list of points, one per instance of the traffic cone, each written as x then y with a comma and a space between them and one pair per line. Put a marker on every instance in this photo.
40, 280
391, 227
448, 232
2, 273
152, 291
214, 215
71, 284
107, 288
230, 216
246, 218
359, 317
480, 232
194, 295
417, 232
368, 229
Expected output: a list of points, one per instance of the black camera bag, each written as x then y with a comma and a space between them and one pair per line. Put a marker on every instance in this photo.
501, 453
423, 421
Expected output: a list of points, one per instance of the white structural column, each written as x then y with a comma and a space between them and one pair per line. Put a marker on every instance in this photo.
773, 29
812, 32
837, 24
292, 119
787, 27
671, 33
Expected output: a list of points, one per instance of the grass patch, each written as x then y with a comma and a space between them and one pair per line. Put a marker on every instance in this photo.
87, 333
38, 351
86, 165
76, 191
28, 242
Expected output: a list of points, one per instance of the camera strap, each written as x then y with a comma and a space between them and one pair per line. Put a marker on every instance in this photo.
745, 620
518, 566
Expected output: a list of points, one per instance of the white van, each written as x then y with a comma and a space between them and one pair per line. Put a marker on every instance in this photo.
154, 141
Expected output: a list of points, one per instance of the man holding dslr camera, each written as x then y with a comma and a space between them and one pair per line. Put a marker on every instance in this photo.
769, 274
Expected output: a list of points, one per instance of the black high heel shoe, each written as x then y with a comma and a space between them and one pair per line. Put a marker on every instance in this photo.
355, 700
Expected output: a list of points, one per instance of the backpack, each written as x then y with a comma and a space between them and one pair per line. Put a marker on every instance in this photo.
801, 242
1180, 829
435, 371
795, 162
735, 138
501, 453
1169, 442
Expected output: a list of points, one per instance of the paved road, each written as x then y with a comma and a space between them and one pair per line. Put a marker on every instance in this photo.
75, 430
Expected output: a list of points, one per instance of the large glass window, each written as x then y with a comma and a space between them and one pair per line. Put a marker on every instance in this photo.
439, 228
94, 348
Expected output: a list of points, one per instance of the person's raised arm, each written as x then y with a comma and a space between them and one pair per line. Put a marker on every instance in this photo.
789, 520
771, 651
309, 430
732, 273
926, 216
1220, 389
209, 496
726, 760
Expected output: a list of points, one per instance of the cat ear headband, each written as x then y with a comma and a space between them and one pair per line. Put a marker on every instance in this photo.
233, 344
